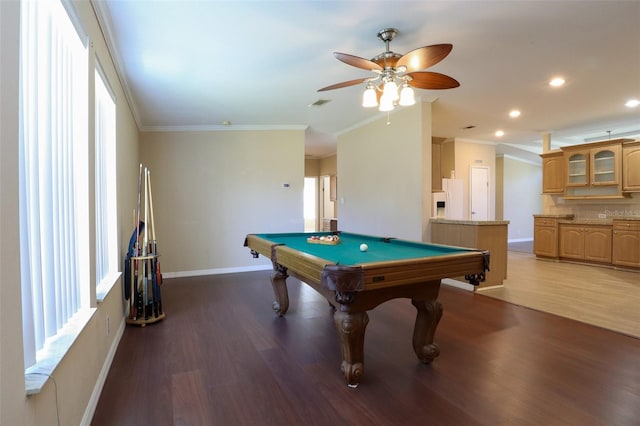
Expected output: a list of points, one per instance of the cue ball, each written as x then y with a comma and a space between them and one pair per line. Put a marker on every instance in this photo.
364, 247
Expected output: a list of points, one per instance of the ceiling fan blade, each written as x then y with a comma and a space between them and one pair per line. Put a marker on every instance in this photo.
344, 84
424, 57
432, 80
357, 61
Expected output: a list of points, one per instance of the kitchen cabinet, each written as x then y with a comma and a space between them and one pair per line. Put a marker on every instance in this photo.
626, 243
577, 166
436, 170
571, 242
601, 242
593, 170
597, 243
591, 243
442, 161
605, 165
631, 166
333, 188
545, 236
553, 172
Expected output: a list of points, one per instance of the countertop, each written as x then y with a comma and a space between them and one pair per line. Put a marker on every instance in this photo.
569, 218
555, 216
468, 222
588, 221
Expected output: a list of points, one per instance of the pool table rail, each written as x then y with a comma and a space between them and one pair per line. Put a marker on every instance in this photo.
470, 264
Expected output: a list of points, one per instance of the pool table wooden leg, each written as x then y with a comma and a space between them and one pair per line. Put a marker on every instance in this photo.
427, 319
279, 284
351, 327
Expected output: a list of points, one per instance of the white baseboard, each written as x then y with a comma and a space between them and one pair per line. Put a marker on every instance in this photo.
102, 377
458, 284
217, 271
520, 240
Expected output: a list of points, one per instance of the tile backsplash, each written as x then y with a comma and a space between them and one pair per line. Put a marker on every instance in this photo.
592, 209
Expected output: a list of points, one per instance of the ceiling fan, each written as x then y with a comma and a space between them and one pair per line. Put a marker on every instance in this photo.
393, 69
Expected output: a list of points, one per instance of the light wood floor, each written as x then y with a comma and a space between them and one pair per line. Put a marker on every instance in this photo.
603, 297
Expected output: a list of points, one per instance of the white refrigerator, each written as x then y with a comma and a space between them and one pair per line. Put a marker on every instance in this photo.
452, 196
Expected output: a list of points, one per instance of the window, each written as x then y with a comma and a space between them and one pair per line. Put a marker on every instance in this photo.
54, 218
105, 194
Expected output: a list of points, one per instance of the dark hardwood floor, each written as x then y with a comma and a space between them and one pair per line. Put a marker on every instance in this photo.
222, 357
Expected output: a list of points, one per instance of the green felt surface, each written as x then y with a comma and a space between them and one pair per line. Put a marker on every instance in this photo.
347, 251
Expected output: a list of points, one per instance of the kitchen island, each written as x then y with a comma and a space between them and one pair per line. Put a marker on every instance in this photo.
488, 235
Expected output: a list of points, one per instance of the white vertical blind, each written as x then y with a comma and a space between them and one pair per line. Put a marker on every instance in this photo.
53, 172
105, 186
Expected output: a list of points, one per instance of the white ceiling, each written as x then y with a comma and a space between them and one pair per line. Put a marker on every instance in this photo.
257, 64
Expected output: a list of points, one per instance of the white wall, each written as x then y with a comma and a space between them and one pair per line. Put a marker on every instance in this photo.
79, 374
384, 175
475, 153
211, 189
522, 196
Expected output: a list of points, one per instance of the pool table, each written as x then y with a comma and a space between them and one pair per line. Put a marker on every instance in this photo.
356, 281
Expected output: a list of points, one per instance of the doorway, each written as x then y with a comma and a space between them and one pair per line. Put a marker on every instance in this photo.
479, 192
310, 207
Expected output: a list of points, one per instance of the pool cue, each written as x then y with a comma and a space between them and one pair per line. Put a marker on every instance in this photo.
134, 294
145, 247
155, 266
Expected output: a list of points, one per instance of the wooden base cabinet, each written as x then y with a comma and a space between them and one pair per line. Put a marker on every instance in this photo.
626, 243
591, 243
545, 237
571, 242
597, 244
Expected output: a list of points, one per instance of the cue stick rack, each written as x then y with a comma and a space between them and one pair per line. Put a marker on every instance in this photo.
144, 278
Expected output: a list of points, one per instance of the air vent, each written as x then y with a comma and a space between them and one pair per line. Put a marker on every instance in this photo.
319, 102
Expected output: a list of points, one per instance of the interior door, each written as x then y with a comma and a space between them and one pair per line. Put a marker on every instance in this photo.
479, 193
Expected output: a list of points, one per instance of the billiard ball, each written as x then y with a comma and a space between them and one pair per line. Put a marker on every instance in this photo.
364, 247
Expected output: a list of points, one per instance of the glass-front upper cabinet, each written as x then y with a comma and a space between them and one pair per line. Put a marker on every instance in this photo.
604, 165
593, 167
593, 171
578, 168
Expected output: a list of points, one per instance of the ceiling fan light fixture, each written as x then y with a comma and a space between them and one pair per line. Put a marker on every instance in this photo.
369, 97
393, 70
386, 104
391, 90
407, 96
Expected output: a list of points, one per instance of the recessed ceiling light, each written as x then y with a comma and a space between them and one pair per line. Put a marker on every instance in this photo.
499, 133
556, 82
514, 113
632, 103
